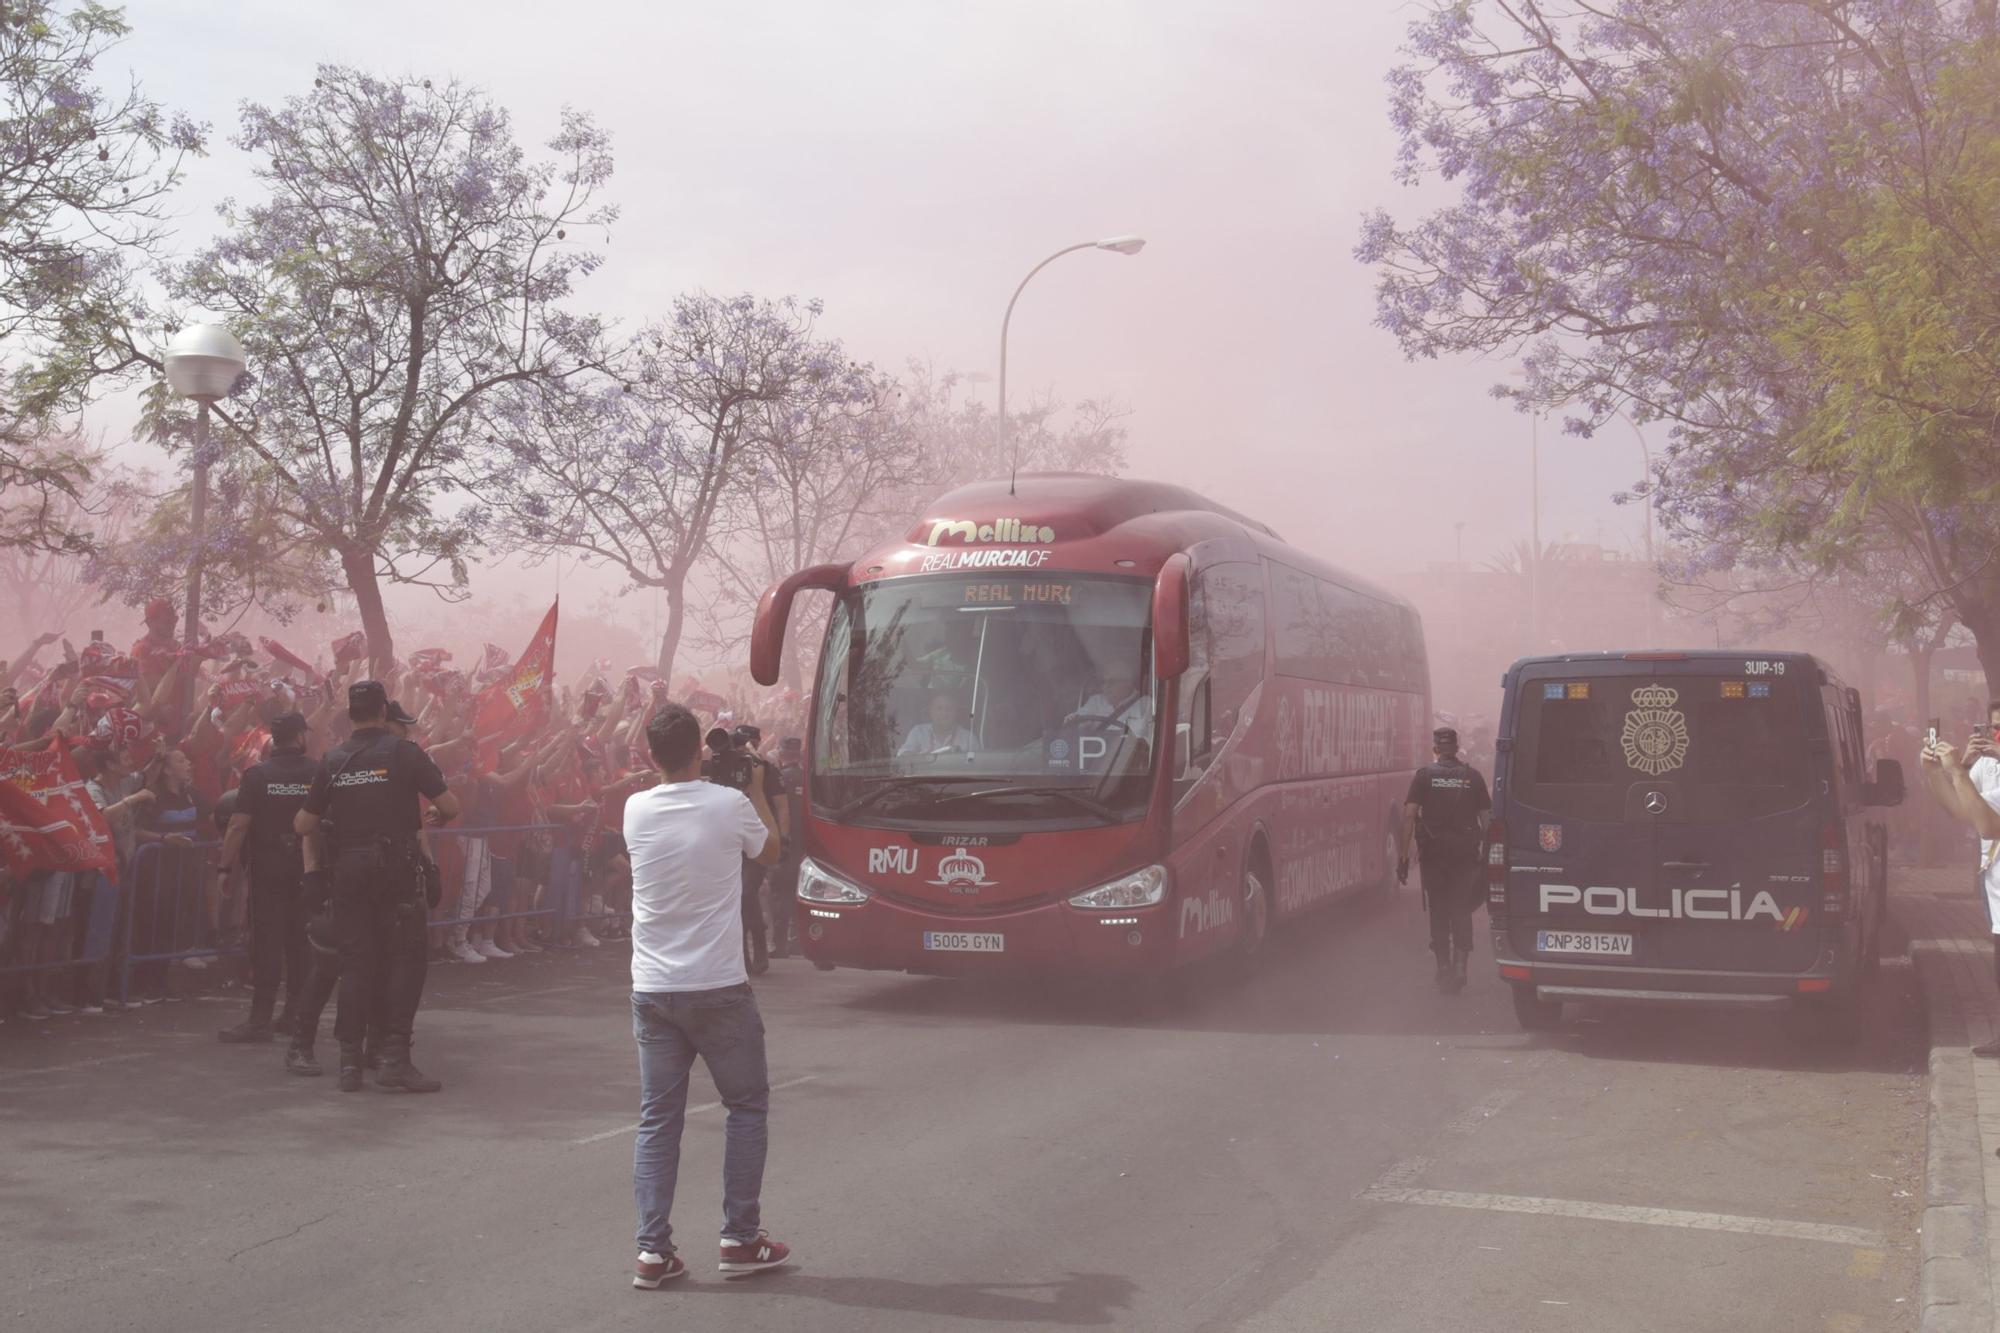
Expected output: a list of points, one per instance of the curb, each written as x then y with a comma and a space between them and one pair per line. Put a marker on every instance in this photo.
1954, 1287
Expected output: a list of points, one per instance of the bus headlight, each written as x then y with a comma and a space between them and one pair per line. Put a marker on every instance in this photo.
1141, 888
817, 884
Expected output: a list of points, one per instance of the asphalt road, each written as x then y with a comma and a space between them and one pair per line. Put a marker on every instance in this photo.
1329, 1146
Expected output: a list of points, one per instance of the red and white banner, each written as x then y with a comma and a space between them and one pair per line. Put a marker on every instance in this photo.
284, 656
47, 819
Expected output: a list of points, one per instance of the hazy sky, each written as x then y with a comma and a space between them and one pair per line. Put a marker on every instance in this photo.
907, 162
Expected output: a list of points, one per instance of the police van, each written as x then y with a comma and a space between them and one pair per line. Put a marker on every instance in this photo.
1686, 827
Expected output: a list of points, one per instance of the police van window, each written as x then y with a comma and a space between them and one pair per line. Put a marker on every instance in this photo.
1585, 744
1233, 604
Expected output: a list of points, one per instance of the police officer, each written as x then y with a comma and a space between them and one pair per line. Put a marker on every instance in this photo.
378, 883
267, 801
1446, 811
781, 881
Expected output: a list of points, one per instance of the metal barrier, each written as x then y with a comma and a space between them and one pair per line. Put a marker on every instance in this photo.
167, 882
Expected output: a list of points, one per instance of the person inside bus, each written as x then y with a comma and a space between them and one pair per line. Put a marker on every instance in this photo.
945, 733
1121, 695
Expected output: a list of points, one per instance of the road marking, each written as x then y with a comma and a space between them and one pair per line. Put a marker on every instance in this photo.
1866, 1264
1977, 948
1618, 1212
705, 1106
80, 1064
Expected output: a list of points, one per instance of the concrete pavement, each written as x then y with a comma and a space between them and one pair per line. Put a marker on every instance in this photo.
1329, 1146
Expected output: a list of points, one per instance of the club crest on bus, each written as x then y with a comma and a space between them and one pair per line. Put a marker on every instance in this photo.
962, 872
1655, 738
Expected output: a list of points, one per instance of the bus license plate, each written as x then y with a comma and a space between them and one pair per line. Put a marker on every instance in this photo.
959, 941
1583, 941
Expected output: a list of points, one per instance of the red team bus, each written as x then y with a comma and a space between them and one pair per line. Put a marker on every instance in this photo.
1093, 725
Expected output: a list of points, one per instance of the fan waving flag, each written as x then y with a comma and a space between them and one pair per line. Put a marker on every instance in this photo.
47, 819
281, 654
519, 701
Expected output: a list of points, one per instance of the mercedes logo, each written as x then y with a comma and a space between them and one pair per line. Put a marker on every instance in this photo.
1656, 802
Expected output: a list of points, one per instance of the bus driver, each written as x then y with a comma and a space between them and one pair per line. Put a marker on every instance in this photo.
945, 733
1121, 697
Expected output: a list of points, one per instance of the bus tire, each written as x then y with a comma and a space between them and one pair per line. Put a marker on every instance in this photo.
1533, 1013
1253, 908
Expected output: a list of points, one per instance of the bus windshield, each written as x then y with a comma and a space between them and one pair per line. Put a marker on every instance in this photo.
987, 699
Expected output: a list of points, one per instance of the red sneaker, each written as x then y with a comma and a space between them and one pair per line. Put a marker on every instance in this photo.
754, 1256
652, 1270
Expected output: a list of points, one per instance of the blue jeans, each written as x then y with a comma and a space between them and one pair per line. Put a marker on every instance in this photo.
724, 1028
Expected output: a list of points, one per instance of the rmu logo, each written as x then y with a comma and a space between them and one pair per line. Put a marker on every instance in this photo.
892, 860
1000, 530
1201, 914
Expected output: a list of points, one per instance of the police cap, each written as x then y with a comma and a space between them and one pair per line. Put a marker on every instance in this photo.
287, 728
400, 715
366, 697
1445, 736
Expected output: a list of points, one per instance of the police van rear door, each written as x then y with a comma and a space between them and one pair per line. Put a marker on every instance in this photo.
1661, 813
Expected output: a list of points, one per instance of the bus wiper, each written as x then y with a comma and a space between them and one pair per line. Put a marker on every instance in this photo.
881, 789
1075, 797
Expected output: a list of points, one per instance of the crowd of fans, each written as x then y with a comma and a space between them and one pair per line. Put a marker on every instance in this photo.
162, 733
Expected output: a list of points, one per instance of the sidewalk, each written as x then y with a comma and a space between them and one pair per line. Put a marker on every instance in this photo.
1953, 954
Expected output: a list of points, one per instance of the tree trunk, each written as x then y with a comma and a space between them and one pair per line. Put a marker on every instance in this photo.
670, 640
359, 566
1986, 642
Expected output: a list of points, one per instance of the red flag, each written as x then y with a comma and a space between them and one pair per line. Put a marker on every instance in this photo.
47, 819
102, 692
232, 694
495, 658
519, 701
348, 647
280, 653
429, 659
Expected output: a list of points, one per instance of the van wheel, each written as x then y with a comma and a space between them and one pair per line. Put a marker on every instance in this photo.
1535, 1014
1253, 927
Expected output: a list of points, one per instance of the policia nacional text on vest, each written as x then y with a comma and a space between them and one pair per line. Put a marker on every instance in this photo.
365, 855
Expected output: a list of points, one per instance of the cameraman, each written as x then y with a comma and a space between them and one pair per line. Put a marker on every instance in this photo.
734, 762
690, 996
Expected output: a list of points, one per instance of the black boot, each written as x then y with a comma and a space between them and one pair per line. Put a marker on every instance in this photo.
1460, 959
398, 1074
371, 1051
1445, 974
257, 1027
299, 1057
350, 1066
760, 961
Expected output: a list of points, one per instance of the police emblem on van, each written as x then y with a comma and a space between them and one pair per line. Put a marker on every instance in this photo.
1655, 738
1552, 837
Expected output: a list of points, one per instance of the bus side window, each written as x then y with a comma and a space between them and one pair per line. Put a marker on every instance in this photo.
1234, 597
1192, 713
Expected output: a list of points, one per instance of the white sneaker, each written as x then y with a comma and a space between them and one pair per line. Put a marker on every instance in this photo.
465, 953
489, 949
586, 939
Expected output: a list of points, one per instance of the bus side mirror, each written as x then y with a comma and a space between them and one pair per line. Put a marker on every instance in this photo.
1887, 788
1170, 618
774, 609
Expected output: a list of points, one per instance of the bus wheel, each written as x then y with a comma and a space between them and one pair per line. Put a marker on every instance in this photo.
1254, 919
1535, 1014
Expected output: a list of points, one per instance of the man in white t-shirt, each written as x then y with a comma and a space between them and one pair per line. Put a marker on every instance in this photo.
1120, 697
1970, 789
691, 995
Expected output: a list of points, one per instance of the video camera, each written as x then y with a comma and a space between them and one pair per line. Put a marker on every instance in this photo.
728, 765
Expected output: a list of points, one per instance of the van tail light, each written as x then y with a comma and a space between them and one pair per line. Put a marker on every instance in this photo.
1832, 870
1496, 865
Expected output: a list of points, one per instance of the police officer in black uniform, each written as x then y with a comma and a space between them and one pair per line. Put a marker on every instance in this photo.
267, 801
379, 881
1446, 812
781, 881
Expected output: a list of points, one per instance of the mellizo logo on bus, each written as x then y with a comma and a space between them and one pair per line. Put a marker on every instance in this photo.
1012, 531
962, 872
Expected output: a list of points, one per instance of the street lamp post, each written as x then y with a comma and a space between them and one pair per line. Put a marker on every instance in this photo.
1124, 245
203, 362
